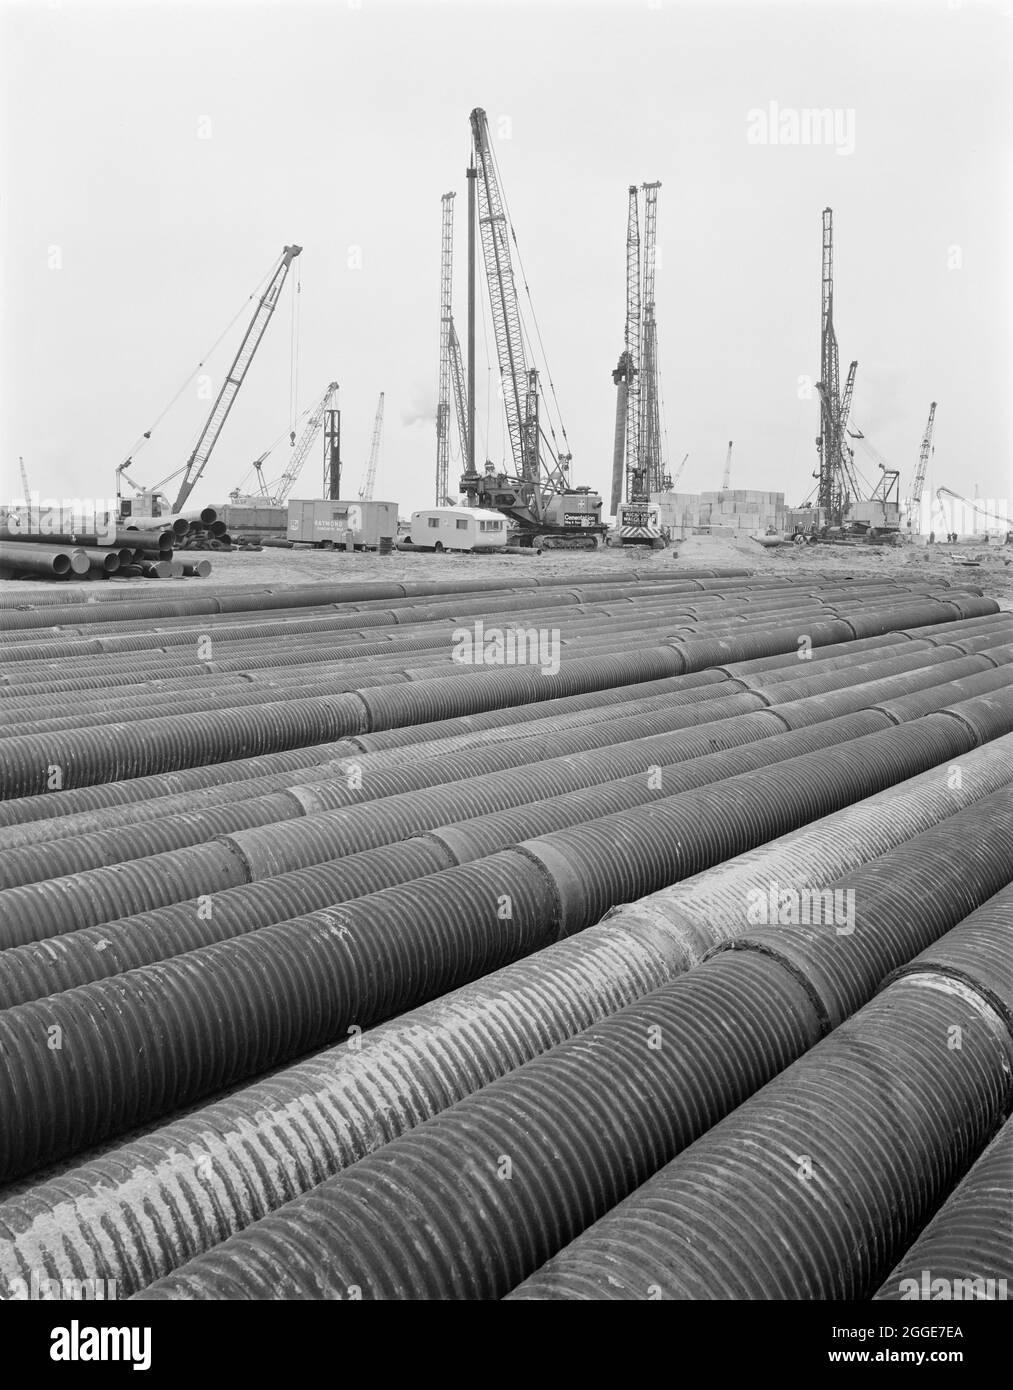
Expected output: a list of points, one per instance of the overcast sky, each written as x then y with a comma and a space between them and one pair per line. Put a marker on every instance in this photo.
157, 157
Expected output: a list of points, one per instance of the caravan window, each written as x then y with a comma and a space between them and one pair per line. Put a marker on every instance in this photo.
462, 523
433, 521
490, 526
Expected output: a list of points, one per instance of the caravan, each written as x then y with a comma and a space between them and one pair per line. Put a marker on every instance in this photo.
458, 528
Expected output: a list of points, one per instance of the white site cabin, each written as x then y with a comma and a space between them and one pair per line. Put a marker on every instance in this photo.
459, 528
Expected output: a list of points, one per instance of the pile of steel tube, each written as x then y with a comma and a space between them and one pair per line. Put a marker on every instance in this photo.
134, 550
480, 941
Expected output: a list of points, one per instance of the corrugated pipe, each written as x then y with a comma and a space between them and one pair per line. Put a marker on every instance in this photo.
814, 1187
82, 822
842, 967
237, 1007
134, 633
345, 784
82, 756
703, 911
298, 597
80, 954
471, 1202
202, 1176
406, 802
131, 635
39, 762
48, 806
966, 1250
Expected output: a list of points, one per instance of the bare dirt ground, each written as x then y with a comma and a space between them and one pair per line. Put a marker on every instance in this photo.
989, 568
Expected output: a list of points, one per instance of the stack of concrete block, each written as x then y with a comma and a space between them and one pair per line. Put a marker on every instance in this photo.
733, 513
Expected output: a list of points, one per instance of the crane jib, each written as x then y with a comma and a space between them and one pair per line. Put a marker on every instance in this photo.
236, 375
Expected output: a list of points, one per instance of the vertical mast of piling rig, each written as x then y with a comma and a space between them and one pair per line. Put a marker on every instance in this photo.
446, 327
506, 320
469, 459
650, 422
832, 493
627, 474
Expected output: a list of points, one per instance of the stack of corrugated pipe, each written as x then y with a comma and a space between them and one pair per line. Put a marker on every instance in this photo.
675, 961
136, 550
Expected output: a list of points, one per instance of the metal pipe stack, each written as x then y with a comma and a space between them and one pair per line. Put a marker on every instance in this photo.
138, 549
599, 896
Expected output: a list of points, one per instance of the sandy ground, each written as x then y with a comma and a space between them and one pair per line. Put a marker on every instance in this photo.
987, 568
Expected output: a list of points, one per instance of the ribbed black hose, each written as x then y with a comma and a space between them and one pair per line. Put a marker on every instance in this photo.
203, 1176
122, 627
36, 911
152, 745
132, 813
92, 1062
106, 753
432, 1216
617, 859
126, 792
979, 954
39, 968
967, 858
712, 907
815, 1186
439, 931
966, 1250
56, 962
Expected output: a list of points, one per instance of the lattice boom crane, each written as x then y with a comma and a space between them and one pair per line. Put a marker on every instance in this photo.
306, 441
369, 477
225, 400
506, 319
918, 481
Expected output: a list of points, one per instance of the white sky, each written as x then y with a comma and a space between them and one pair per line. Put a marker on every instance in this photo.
337, 125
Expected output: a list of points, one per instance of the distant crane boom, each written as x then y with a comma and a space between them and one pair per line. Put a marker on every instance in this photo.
24, 481
992, 515
726, 481
918, 481
369, 477
459, 390
302, 449
849, 391
225, 400
506, 319
678, 471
